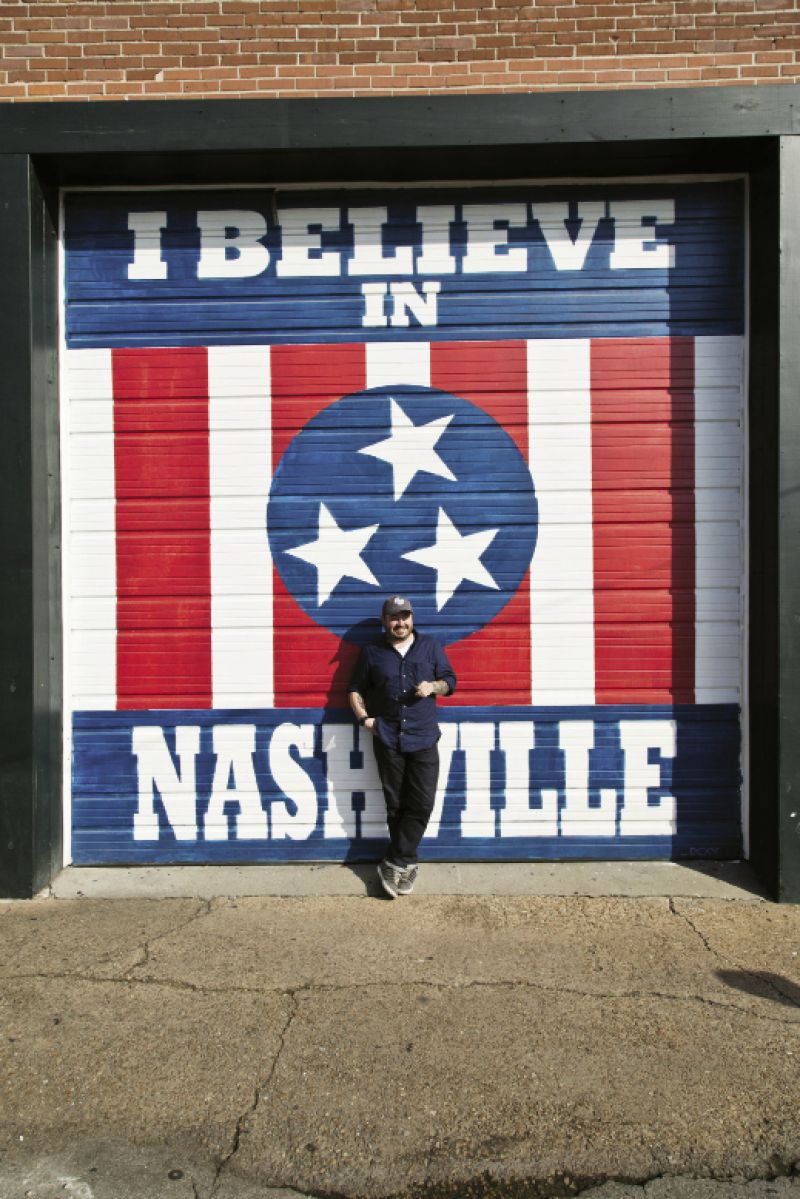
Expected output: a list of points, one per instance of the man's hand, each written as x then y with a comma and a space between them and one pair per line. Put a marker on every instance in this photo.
423, 690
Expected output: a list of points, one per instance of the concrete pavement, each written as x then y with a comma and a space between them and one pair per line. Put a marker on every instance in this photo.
436, 1046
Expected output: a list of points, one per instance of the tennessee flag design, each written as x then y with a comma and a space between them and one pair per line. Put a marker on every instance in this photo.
611, 465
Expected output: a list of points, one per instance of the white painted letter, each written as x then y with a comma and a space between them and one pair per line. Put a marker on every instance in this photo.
407, 299
146, 228
576, 738
234, 745
369, 257
448, 743
487, 236
436, 257
634, 247
518, 818
293, 781
478, 818
344, 778
374, 316
568, 255
233, 231
155, 768
640, 819
301, 242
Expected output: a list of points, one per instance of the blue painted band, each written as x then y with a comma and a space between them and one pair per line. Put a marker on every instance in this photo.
224, 267
299, 784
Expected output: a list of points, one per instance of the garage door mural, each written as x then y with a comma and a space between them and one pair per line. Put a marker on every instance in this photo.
521, 407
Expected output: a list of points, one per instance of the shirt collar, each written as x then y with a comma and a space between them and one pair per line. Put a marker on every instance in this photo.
391, 645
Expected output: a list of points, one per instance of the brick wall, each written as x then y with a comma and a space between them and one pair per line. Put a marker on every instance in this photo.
184, 48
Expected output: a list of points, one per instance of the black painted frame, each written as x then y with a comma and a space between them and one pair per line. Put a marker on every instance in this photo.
578, 135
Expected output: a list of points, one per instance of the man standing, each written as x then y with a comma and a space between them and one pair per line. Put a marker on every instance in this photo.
393, 695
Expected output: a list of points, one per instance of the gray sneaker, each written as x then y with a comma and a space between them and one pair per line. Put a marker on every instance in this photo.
390, 877
407, 880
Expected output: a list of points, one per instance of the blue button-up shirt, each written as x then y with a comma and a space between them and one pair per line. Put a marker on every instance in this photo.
387, 681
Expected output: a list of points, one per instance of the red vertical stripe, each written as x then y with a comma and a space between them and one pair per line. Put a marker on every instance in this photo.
491, 374
306, 379
493, 665
163, 555
643, 510
312, 666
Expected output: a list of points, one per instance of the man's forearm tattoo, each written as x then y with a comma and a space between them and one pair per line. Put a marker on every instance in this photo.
440, 687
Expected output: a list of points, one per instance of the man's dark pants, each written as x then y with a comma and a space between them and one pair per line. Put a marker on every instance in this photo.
409, 787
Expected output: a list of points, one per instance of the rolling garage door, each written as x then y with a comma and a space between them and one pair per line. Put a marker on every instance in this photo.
519, 406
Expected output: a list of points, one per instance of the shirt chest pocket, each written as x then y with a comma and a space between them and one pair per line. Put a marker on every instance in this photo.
418, 671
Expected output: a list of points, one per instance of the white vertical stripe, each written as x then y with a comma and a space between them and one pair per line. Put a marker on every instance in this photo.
394, 362
719, 515
562, 572
240, 472
92, 569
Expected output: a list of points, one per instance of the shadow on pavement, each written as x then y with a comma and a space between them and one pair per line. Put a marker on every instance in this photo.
763, 984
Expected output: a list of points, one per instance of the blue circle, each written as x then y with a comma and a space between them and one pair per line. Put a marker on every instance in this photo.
475, 475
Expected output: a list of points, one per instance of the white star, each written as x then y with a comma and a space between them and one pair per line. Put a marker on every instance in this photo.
411, 448
335, 554
455, 558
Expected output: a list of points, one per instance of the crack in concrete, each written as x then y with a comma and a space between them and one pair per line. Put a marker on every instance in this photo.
260, 1092
754, 975
684, 916
205, 909
502, 984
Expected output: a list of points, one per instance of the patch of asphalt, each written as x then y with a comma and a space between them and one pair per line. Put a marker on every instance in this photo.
91, 937
620, 947
524, 978
419, 1089
204, 909
143, 1064
106, 1170
772, 946
121, 1171
698, 1188
244, 1120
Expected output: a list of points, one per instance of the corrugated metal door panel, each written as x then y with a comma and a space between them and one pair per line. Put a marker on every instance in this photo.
521, 407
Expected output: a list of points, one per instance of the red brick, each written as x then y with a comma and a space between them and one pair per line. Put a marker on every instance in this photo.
44, 90
15, 51
99, 73
26, 76
33, 25
199, 87
441, 55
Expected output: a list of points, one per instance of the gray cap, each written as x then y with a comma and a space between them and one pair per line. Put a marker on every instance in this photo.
395, 604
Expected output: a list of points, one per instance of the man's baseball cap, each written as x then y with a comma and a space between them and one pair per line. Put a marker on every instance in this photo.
395, 604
